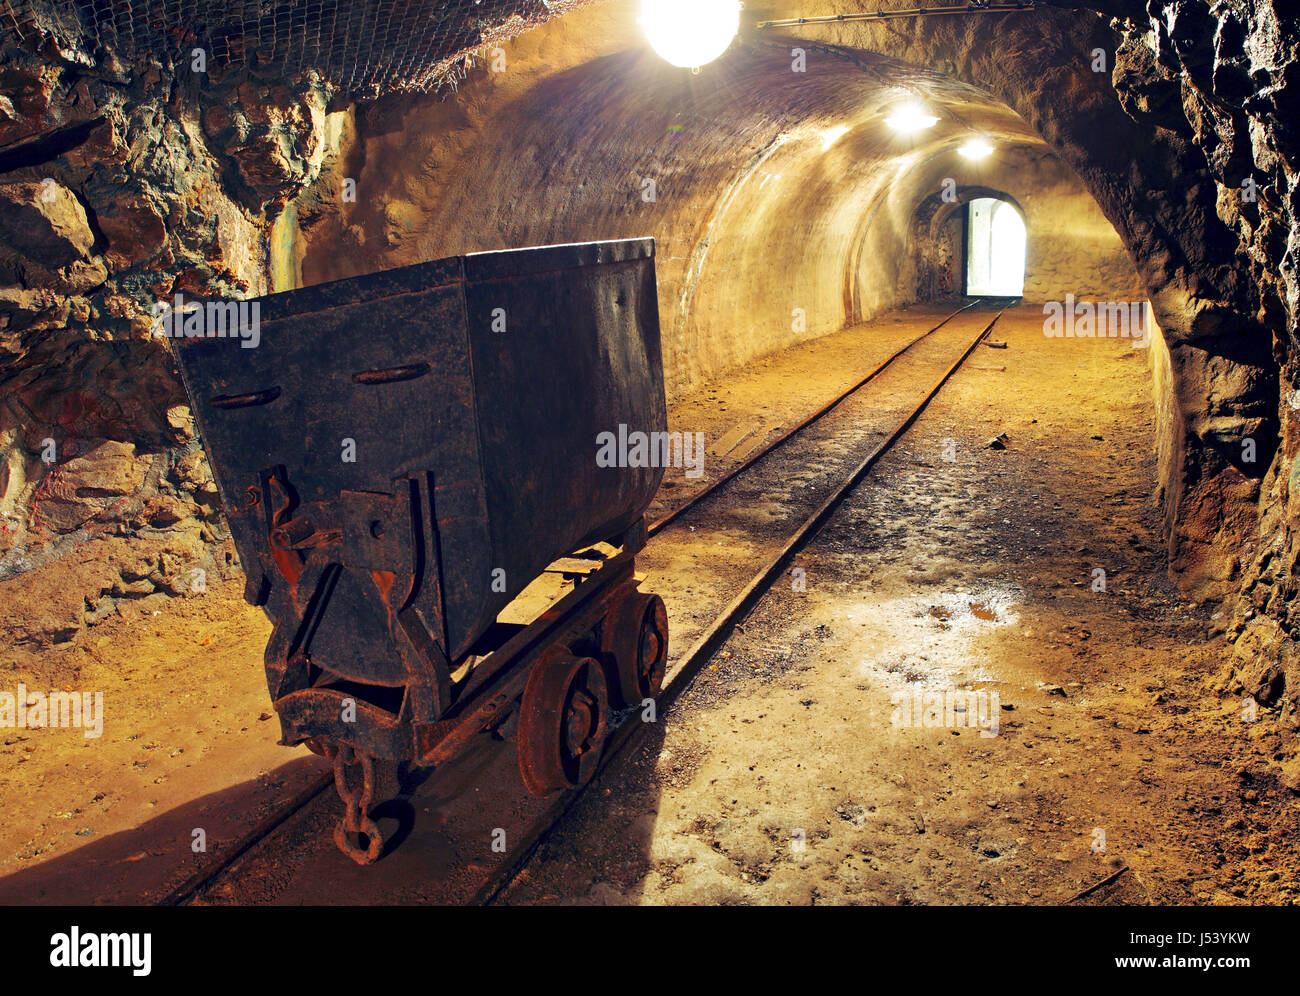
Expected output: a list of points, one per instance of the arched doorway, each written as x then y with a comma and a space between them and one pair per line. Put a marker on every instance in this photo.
995, 249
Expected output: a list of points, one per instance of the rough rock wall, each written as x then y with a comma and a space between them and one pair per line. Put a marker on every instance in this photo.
132, 170
1155, 186
1200, 181
1196, 101
936, 252
118, 190
1227, 79
1221, 84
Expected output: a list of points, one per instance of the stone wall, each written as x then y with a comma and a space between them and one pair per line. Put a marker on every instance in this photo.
118, 190
781, 206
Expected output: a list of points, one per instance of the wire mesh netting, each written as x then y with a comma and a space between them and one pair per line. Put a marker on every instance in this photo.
362, 46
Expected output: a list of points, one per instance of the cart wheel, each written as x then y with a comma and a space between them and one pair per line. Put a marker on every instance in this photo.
636, 636
562, 722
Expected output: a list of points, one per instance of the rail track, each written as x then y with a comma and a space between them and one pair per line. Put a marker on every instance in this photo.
623, 740
665, 520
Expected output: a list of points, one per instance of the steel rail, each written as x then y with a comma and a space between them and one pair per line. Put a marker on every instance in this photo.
202, 879
205, 876
712, 640
757, 455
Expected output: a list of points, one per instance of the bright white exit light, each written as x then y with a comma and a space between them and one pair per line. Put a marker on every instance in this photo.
690, 33
910, 118
976, 148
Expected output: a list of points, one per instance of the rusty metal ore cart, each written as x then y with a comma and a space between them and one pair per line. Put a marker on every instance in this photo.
403, 453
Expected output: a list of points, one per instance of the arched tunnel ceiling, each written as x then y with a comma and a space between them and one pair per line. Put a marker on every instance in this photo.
774, 192
1034, 59
1131, 152
768, 189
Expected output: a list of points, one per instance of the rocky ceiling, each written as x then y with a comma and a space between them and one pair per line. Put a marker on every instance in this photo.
362, 49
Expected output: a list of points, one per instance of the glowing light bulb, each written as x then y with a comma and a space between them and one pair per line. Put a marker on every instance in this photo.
690, 33
911, 118
976, 148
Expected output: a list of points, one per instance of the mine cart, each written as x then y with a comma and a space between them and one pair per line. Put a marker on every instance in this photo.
399, 455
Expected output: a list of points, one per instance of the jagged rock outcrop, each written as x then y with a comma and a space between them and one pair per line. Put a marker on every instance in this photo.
120, 190
123, 185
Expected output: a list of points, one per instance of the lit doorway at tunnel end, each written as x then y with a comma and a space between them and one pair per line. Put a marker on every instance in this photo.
995, 249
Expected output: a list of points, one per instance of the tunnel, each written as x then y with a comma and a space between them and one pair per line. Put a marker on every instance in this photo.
958, 569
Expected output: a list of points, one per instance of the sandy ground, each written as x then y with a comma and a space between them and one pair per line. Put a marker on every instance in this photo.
785, 775
188, 743
779, 777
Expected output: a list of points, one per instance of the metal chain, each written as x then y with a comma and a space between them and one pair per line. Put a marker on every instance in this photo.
356, 803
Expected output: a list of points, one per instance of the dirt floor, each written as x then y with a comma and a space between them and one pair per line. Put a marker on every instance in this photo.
785, 773
188, 743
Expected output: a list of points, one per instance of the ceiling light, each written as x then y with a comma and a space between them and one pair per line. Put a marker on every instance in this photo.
911, 118
690, 33
976, 148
